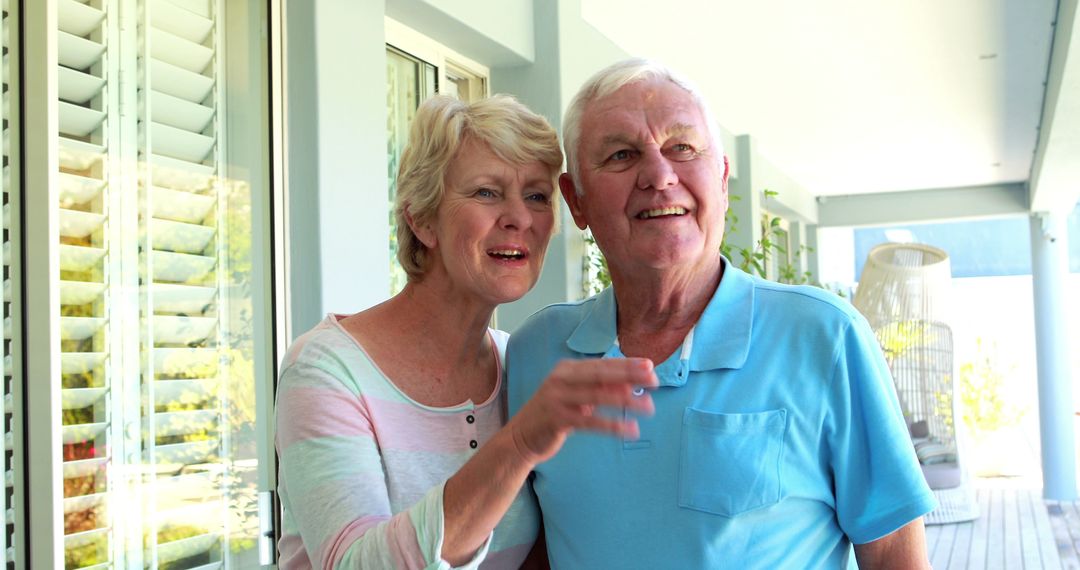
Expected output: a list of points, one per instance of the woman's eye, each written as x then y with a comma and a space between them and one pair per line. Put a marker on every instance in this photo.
538, 197
485, 193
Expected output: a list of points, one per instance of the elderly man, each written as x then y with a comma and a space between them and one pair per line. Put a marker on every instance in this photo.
777, 440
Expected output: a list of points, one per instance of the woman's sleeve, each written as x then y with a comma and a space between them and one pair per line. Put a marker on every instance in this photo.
332, 483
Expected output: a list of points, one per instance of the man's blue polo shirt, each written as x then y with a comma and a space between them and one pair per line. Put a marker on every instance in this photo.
777, 438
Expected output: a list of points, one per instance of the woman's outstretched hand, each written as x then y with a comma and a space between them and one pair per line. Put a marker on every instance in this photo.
477, 496
569, 396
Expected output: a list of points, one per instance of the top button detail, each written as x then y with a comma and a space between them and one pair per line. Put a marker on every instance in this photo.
469, 418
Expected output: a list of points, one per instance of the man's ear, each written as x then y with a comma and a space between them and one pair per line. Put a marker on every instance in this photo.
424, 232
573, 201
724, 183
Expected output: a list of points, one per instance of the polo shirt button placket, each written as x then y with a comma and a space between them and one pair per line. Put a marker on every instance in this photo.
470, 429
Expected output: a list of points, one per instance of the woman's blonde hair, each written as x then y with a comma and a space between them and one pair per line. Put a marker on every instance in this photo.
441, 126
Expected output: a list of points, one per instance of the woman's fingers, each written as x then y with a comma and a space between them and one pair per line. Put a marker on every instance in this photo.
569, 398
626, 428
610, 395
604, 382
627, 371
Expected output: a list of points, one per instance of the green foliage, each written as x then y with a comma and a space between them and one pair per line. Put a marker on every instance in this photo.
985, 407
943, 402
773, 242
897, 337
597, 277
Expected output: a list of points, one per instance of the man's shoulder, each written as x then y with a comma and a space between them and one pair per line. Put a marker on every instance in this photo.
537, 345
803, 301
555, 321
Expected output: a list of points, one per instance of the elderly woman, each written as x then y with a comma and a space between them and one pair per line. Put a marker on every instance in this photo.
390, 432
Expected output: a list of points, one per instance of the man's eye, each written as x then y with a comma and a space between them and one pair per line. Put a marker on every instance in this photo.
620, 155
682, 151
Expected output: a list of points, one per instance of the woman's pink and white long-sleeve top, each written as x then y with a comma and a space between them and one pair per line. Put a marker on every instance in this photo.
362, 465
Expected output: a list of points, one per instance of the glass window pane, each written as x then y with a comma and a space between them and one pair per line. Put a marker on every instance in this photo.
162, 185
466, 86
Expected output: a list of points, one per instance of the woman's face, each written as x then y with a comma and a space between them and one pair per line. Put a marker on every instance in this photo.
493, 225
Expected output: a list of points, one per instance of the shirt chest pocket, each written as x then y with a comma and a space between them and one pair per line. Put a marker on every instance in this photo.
730, 463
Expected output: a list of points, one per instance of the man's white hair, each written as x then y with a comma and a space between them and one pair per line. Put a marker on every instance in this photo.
611, 79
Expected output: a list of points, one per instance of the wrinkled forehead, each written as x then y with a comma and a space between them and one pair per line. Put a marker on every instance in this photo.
658, 106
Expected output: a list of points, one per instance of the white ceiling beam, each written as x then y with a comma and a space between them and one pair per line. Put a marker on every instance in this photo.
915, 206
1055, 172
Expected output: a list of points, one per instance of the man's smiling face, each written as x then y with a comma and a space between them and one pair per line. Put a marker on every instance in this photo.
654, 191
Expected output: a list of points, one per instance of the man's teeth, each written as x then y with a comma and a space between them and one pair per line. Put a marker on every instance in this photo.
657, 212
510, 253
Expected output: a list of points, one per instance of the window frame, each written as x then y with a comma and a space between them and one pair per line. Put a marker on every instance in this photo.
406, 39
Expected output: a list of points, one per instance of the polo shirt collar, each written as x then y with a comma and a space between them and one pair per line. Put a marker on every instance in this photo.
596, 333
721, 336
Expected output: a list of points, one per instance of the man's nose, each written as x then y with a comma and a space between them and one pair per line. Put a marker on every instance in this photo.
656, 171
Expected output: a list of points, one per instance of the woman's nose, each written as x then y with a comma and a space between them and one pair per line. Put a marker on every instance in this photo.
515, 214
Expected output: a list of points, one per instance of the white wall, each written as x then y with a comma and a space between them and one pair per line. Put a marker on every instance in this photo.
494, 32
336, 171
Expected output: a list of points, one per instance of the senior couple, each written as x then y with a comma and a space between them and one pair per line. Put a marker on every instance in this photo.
690, 416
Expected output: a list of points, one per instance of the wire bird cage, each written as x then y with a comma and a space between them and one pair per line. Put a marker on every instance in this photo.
904, 294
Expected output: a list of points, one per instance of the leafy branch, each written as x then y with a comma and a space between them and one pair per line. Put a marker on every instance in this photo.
773, 242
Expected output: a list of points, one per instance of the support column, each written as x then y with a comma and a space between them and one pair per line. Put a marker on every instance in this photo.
1049, 271
747, 206
796, 241
812, 254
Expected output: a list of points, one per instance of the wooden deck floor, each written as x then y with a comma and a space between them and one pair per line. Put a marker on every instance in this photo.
1017, 529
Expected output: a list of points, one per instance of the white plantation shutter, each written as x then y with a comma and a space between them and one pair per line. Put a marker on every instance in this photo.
155, 246
182, 192
85, 277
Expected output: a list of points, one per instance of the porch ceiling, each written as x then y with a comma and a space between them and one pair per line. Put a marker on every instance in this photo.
853, 97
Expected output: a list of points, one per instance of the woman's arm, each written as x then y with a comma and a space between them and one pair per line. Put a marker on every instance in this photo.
478, 495
332, 476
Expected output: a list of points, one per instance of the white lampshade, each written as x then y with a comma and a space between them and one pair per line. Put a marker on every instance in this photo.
904, 281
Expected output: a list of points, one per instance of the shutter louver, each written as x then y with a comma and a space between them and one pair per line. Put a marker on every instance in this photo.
181, 198
84, 280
